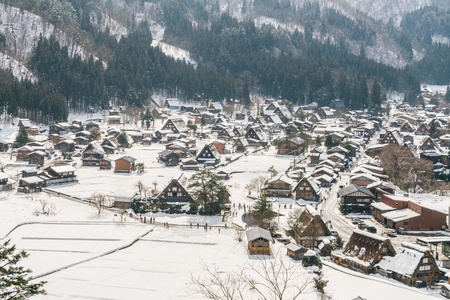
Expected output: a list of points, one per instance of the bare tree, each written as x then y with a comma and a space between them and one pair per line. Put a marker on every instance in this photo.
44, 204
273, 278
239, 235
257, 184
155, 185
141, 187
404, 169
99, 201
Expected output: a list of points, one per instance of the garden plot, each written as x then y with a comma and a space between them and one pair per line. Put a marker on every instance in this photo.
55, 245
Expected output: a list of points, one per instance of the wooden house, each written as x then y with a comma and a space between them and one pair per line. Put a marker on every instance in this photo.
240, 145
175, 193
325, 247
31, 184
92, 126
392, 137
412, 263
22, 152
190, 164
428, 144
259, 240
105, 164
356, 198
307, 189
279, 186
176, 125
169, 157
226, 134
208, 155
215, 107
29, 128
295, 251
36, 158
363, 251
311, 228
172, 104
6, 183
293, 146
59, 174
406, 127
81, 140
4, 146
109, 146
124, 164
67, 146
92, 154
423, 129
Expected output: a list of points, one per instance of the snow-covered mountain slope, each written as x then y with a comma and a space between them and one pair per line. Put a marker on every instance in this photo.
175, 52
22, 30
18, 70
103, 21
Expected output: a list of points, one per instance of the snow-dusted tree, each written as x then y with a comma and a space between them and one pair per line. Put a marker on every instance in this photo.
209, 191
15, 280
257, 184
147, 118
99, 201
263, 214
22, 137
122, 139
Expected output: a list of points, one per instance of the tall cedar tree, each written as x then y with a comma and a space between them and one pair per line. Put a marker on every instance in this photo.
122, 139
208, 191
22, 137
263, 214
147, 118
15, 280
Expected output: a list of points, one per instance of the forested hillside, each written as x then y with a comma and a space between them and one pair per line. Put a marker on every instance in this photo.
302, 51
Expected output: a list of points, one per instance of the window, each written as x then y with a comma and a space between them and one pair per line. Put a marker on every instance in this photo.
308, 188
425, 260
425, 268
405, 223
174, 189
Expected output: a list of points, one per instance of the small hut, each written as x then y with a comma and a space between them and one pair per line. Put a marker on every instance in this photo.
296, 251
258, 241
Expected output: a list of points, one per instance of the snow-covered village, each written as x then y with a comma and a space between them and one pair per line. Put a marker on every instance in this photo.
190, 201
224, 149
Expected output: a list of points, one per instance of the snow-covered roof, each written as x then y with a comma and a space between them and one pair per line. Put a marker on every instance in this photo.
400, 215
63, 169
382, 206
405, 262
258, 232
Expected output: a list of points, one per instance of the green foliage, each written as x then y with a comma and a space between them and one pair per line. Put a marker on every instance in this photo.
140, 167
15, 281
22, 137
139, 205
147, 118
338, 243
320, 284
208, 191
273, 172
318, 141
329, 142
122, 139
311, 260
263, 214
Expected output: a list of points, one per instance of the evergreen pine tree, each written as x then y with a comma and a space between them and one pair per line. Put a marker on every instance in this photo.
15, 280
22, 137
329, 142
375, 96
447, 95
122, 139
263, 214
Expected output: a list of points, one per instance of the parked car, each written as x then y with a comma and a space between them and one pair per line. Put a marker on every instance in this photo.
371, 229
401, 230
334, 233
356, 221
362, 225
392, 233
